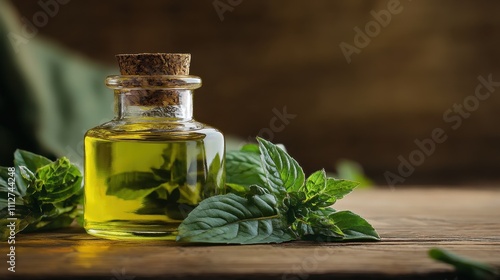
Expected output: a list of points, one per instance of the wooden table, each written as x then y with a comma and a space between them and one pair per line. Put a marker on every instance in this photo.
410, 221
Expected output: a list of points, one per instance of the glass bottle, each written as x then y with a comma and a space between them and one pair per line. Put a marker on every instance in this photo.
153, 163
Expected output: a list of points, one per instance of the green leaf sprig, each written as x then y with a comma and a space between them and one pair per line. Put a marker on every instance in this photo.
271, 201
46, 193
465, 267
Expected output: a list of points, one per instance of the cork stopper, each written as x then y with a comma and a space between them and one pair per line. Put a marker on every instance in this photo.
146, 66
154, 63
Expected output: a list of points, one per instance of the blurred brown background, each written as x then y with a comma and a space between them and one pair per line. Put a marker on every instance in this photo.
277, 54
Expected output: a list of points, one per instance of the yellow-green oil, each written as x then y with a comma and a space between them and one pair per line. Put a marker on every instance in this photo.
141, 186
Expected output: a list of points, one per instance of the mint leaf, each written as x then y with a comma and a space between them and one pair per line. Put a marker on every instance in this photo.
353, 226
317, 224
55, 182
30, 160
132, 185
323, 192
283, 173
339, 188
316, 182
233, 219
244, 168
469, 269
317, 193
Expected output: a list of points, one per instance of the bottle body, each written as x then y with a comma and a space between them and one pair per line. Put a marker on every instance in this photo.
142, 184
150, 166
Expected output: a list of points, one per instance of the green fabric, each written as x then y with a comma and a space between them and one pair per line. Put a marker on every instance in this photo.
49, 96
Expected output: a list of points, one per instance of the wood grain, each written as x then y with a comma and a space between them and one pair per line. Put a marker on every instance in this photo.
410, 221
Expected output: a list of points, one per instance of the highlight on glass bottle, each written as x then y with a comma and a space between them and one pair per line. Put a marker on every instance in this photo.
146, 169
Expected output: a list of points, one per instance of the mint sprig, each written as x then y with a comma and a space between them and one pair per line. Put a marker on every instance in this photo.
47, 193
271, 201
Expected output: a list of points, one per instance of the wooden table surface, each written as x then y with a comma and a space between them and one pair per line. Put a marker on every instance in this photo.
409, 220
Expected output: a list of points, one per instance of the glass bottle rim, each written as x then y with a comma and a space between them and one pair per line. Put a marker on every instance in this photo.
153, 82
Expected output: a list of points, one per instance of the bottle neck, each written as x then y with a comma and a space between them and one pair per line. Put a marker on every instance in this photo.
154, 105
